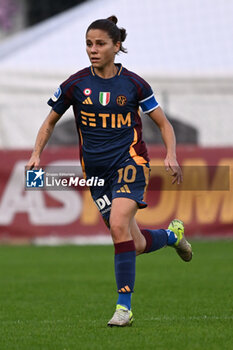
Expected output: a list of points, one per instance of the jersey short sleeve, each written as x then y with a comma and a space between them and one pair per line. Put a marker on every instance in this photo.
60, 101
145, 95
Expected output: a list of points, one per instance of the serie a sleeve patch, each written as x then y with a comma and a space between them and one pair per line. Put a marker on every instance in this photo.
56, 94
59, 101
148, 104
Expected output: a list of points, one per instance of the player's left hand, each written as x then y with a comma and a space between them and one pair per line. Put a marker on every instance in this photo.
176, 172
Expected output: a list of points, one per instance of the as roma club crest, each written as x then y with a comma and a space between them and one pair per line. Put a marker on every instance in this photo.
104, 98
121, 100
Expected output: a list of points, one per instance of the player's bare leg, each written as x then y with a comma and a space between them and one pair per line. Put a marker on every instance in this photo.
139, 239
123, 211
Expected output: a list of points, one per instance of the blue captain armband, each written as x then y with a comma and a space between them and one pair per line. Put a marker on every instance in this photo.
148, 104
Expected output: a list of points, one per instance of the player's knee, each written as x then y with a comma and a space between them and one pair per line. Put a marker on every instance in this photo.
119, 232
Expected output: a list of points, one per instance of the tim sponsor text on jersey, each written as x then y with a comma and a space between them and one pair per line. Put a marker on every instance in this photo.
107, 119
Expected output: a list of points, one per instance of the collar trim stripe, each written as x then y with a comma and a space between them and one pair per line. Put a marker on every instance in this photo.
92, 71
120, 70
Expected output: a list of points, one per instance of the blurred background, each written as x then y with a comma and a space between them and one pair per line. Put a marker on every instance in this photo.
183, 49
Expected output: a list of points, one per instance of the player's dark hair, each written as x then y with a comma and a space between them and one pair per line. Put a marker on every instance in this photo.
109, 26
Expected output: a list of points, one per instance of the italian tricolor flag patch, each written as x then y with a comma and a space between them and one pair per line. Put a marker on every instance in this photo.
104, 98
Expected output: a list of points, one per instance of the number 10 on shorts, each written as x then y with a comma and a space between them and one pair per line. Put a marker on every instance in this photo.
128, 174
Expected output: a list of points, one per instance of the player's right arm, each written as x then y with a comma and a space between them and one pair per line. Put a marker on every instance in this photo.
42, 138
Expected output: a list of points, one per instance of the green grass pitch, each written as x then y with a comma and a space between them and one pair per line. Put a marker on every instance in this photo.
61, 298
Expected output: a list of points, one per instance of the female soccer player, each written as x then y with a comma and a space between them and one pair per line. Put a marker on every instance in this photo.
106, 99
